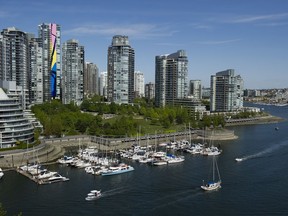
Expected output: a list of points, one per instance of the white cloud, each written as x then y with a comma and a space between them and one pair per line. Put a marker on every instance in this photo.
135, 30
217, 42
201, 26
3, 14
250, 19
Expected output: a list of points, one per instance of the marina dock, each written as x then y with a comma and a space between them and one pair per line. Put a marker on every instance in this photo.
40, 181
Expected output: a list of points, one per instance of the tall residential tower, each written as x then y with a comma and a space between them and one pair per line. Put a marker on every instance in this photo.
171, 78
91, 79
72, 72
120, 71
226, 92
103, 84
49, 40
139, 84
14, 61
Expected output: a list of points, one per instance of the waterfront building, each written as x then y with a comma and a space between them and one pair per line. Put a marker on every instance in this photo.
91, 79
32, 119
139, 84
14, 63
195, 89
72, 72
20, 95
13, 125
226, 93
120, 71
49, 40
103, 84
171, 78
150, 90
194, 107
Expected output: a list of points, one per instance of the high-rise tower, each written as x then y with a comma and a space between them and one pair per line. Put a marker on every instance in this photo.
91, 79
226, 92
103, 84
120, 70
14, 61
72, 72
139, 88
49, 40
171, 78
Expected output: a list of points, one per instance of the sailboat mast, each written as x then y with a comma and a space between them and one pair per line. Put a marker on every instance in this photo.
218, 172
213, 165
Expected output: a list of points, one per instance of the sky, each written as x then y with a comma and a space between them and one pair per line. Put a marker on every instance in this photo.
249, 36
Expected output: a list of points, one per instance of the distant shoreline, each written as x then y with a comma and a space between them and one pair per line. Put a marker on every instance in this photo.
227, 134
269, 119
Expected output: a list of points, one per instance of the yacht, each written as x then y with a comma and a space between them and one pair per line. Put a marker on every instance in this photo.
1, 173
160, 162
93, 194
66, 160
175, 159
56, 178
121, 168
46, 174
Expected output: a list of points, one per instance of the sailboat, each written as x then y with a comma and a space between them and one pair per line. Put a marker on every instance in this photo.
213, 184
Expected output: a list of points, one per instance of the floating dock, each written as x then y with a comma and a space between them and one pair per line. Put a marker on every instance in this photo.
40, 181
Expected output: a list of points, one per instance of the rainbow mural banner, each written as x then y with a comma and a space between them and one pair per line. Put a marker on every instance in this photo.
53, 57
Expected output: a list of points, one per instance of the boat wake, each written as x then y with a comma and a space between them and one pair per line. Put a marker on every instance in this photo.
264, 152
114, 191
169, 200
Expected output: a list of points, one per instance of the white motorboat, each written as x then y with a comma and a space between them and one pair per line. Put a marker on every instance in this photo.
93, 194
66, 159
1, 173
238, 159
46, 174
121, 168
160, 162
56, 178
175, 159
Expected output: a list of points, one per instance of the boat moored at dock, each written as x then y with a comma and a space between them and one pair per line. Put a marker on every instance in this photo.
121, 168
1, 173
55, 178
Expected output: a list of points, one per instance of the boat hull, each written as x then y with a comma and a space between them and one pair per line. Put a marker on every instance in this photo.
212, 186
109, 173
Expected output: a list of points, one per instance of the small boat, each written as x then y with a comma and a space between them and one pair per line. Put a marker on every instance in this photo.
213, 185
93, 194
1, 173
276, 128
238, 159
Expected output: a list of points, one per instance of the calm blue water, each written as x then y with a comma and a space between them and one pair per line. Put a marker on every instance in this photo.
255, 186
